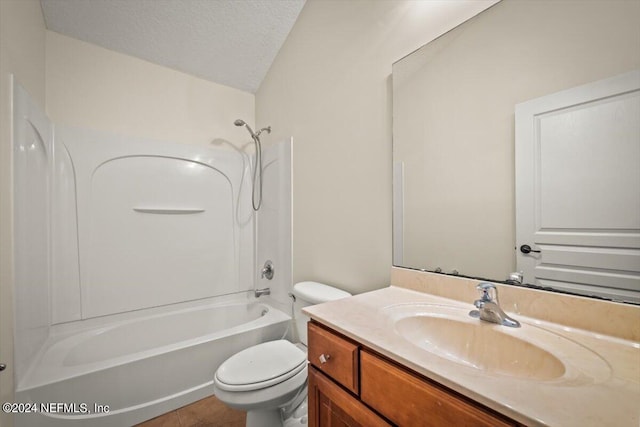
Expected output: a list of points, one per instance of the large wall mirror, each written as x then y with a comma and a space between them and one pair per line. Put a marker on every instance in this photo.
456, 102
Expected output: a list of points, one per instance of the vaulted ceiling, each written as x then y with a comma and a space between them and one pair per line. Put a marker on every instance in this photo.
231, 42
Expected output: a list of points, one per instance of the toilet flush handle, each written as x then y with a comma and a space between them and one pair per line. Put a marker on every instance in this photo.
324, 358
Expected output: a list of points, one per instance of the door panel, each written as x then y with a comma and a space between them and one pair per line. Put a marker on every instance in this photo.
577, 188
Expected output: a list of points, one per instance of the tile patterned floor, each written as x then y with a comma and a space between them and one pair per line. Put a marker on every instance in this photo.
208, 412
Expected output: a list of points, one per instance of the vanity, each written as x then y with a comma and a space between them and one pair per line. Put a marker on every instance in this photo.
378, 385
410, 355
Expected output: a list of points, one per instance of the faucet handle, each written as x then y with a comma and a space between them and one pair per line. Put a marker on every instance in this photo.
489, 292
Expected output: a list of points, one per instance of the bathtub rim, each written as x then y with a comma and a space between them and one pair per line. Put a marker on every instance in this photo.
58, 330
39, 376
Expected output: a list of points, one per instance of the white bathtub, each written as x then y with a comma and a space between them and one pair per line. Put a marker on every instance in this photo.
144, 367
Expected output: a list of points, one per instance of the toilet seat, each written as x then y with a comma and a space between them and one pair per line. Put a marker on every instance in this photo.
261, 366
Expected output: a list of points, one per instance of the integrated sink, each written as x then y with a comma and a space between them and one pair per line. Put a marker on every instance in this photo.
529, 352
480, 346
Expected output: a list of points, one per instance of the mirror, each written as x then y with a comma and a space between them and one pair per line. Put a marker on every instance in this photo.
454, 129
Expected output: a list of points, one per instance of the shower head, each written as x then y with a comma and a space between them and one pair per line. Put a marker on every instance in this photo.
240, 122
254, 135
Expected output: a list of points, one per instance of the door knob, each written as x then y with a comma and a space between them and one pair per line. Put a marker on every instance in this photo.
525, 249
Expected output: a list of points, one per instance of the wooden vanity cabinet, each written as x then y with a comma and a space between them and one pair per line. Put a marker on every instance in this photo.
332, 406
341, 357
353, 386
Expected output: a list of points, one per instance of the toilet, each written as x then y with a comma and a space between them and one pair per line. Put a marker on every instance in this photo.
269, 380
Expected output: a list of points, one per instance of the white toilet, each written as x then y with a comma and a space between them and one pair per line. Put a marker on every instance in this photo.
269, 380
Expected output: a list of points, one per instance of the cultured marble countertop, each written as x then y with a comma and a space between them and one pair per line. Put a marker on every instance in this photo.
604, 392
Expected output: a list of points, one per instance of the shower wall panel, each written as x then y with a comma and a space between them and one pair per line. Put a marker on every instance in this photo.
32, 139
158, 222
274, 235
65, 272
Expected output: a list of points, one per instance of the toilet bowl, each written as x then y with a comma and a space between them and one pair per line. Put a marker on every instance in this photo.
269, 380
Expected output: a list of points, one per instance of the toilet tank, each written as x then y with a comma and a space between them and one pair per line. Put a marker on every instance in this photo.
311, 293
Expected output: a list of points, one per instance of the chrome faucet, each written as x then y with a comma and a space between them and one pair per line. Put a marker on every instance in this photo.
488, 308
267, 271
264, 291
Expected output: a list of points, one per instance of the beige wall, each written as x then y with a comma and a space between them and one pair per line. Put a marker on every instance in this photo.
329, 87
22, 53
92, 87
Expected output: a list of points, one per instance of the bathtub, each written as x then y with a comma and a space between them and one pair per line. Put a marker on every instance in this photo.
137, 369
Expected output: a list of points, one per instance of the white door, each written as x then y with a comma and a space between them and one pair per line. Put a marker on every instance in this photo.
578, 189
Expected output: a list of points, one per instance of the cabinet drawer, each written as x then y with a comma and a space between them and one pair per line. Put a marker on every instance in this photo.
340, 356
408, 400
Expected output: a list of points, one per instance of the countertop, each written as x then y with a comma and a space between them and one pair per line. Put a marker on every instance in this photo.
606, 392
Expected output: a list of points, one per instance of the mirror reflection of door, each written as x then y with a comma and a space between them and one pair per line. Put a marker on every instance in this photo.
454, 137
578, 189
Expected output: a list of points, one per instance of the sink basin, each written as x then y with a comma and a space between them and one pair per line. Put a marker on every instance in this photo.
480, 346
528, 352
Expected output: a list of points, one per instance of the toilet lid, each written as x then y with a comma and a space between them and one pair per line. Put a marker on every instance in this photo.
316, 293
261, 366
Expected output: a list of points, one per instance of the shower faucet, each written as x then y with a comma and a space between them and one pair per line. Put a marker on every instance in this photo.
268, 270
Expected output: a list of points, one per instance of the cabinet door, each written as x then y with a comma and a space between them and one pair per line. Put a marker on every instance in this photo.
332, 406
408, 400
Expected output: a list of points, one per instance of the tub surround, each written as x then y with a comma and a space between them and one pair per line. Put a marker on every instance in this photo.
607, 331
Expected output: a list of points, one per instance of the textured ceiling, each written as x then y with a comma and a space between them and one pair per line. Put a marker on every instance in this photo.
231, 42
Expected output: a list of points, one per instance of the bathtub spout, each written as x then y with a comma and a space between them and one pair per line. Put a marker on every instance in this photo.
263, 291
